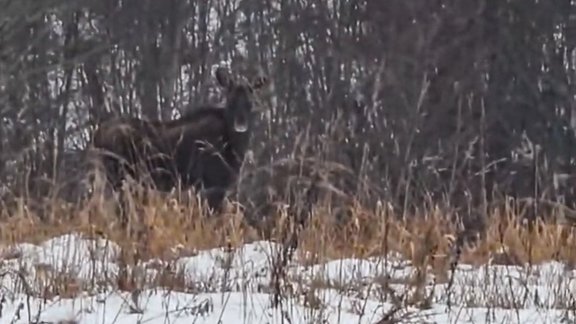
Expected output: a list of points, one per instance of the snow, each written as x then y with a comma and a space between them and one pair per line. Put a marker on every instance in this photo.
236, 286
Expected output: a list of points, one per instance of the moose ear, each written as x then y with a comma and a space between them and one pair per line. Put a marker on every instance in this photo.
223, 77
259, 82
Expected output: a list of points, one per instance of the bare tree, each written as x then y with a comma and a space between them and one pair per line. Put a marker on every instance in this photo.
414, 102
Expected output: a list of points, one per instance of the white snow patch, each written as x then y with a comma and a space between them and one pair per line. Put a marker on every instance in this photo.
236, 286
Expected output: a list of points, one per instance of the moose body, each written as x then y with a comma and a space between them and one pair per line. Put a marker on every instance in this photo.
203, 149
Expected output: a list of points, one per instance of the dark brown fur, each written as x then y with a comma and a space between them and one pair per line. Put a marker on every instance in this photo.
203, 149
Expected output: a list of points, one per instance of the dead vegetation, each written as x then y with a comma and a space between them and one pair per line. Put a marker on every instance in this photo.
162, 222
167, 227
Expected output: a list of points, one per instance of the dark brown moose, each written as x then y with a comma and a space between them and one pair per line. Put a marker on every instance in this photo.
203, 149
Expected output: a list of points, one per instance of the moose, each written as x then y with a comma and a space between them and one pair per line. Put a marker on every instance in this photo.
204, 148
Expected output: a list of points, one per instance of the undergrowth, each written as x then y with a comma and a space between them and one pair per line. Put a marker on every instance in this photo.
163, 227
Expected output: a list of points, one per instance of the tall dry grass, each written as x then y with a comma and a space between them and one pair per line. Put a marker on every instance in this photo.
431, 241
160, 222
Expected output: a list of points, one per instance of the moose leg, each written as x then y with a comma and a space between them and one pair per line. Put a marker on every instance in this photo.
214, 197
122, 203
122, 207
114, 185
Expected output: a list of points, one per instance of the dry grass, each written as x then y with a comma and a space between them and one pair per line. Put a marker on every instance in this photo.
161, 223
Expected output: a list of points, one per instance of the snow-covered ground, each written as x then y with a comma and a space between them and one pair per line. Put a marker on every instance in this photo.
218, 286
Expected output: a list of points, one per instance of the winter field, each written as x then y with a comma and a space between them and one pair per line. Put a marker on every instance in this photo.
217, 272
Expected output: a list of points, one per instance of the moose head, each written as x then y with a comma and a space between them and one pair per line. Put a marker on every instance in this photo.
240, 99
